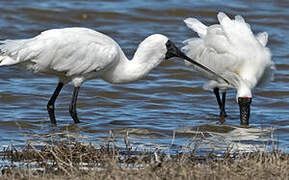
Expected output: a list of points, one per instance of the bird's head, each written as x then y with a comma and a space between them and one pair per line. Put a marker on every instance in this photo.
173, 51
163, 48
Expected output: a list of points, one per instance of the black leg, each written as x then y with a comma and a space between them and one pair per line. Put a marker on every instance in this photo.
216, 91
50, 104
221, 103
72, 107
223, 111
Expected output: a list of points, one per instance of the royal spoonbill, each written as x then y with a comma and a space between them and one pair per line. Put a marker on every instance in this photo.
231, 50
80, 54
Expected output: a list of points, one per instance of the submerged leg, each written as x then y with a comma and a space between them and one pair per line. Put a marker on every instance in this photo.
216, 91
50, 104
223, 112
221, 103
72, 107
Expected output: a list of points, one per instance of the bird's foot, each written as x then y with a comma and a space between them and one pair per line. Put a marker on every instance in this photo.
75, 118
222, 120
223, 114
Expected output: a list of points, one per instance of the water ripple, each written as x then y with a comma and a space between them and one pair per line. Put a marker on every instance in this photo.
169, 99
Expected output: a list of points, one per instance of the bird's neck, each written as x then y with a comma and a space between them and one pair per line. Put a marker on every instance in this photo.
126, 71
244, 90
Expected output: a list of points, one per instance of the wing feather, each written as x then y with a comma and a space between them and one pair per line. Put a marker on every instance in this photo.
196, 26
231, 50
71, 50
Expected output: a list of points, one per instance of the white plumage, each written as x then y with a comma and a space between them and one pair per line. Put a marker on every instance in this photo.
232, 51
79, 54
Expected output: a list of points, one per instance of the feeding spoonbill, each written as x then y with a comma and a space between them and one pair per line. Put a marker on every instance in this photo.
231, 50
79, 54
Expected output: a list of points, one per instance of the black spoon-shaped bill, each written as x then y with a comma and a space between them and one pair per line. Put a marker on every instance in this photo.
244, 104
173, 51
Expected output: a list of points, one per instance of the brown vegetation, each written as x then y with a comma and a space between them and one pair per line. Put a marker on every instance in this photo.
78, 161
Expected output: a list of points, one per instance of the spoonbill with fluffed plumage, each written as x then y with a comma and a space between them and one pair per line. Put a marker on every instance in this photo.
231, 50
79, 54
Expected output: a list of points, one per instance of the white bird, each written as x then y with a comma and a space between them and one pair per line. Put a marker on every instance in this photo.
80, 54
231, 50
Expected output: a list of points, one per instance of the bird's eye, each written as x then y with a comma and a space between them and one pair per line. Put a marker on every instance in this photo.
168, 44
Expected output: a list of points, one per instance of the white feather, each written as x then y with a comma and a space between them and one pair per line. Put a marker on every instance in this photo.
262, 38
231, 50
197, 26
82, 53
79, 54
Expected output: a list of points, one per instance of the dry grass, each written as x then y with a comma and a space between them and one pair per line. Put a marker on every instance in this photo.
78, 161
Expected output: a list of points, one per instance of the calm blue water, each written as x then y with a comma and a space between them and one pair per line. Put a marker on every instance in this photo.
170, 100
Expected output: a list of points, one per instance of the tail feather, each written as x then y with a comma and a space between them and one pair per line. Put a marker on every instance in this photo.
9, 50
6, 61
197, 26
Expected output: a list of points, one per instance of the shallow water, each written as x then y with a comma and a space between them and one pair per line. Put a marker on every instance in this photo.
167, 107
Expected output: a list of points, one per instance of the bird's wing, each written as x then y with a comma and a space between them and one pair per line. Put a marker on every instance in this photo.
70, 50
237, 31
231, 49
250, 50
221, 63
84, 53
213, 51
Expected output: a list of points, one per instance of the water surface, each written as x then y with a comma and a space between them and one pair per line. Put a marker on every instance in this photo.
167, 107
